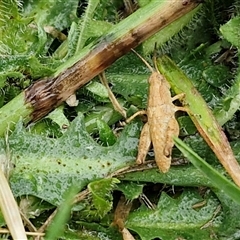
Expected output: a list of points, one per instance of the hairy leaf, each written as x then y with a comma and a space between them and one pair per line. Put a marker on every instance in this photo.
175, 218
101, 195
46, 167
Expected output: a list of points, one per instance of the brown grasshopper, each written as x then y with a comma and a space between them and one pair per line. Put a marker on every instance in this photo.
162, 125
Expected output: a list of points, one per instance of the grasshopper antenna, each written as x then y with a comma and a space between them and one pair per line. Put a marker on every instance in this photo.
146, 63
155, 57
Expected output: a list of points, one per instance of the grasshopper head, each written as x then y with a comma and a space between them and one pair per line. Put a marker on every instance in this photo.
165, 82
157, 78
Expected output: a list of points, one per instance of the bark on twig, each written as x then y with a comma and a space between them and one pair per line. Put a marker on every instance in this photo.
47, 94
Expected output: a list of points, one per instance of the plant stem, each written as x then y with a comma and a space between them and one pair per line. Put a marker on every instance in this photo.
47, 94
201, 116
13, 111
10, 210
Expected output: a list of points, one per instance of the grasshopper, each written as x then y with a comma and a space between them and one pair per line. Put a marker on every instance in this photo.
162, 125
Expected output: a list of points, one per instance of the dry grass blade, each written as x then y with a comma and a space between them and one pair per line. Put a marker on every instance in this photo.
10, 210
8, 204
34, 234
115, 103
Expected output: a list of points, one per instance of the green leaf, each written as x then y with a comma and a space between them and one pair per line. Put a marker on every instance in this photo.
98, 232
4, 76
216, 178
227, 107
92, 4
167, 33
17, 37
46, 167
177, 176
131, 190
175, 218
58, 117
106, 135
56, 228
104, 113
98, 91
230, 31
69, 234
32, 206
56, 13
186, 125
129, 78
101, 195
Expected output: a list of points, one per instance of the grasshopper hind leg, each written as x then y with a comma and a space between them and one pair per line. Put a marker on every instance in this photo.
144, 144
173, 131
164, 160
